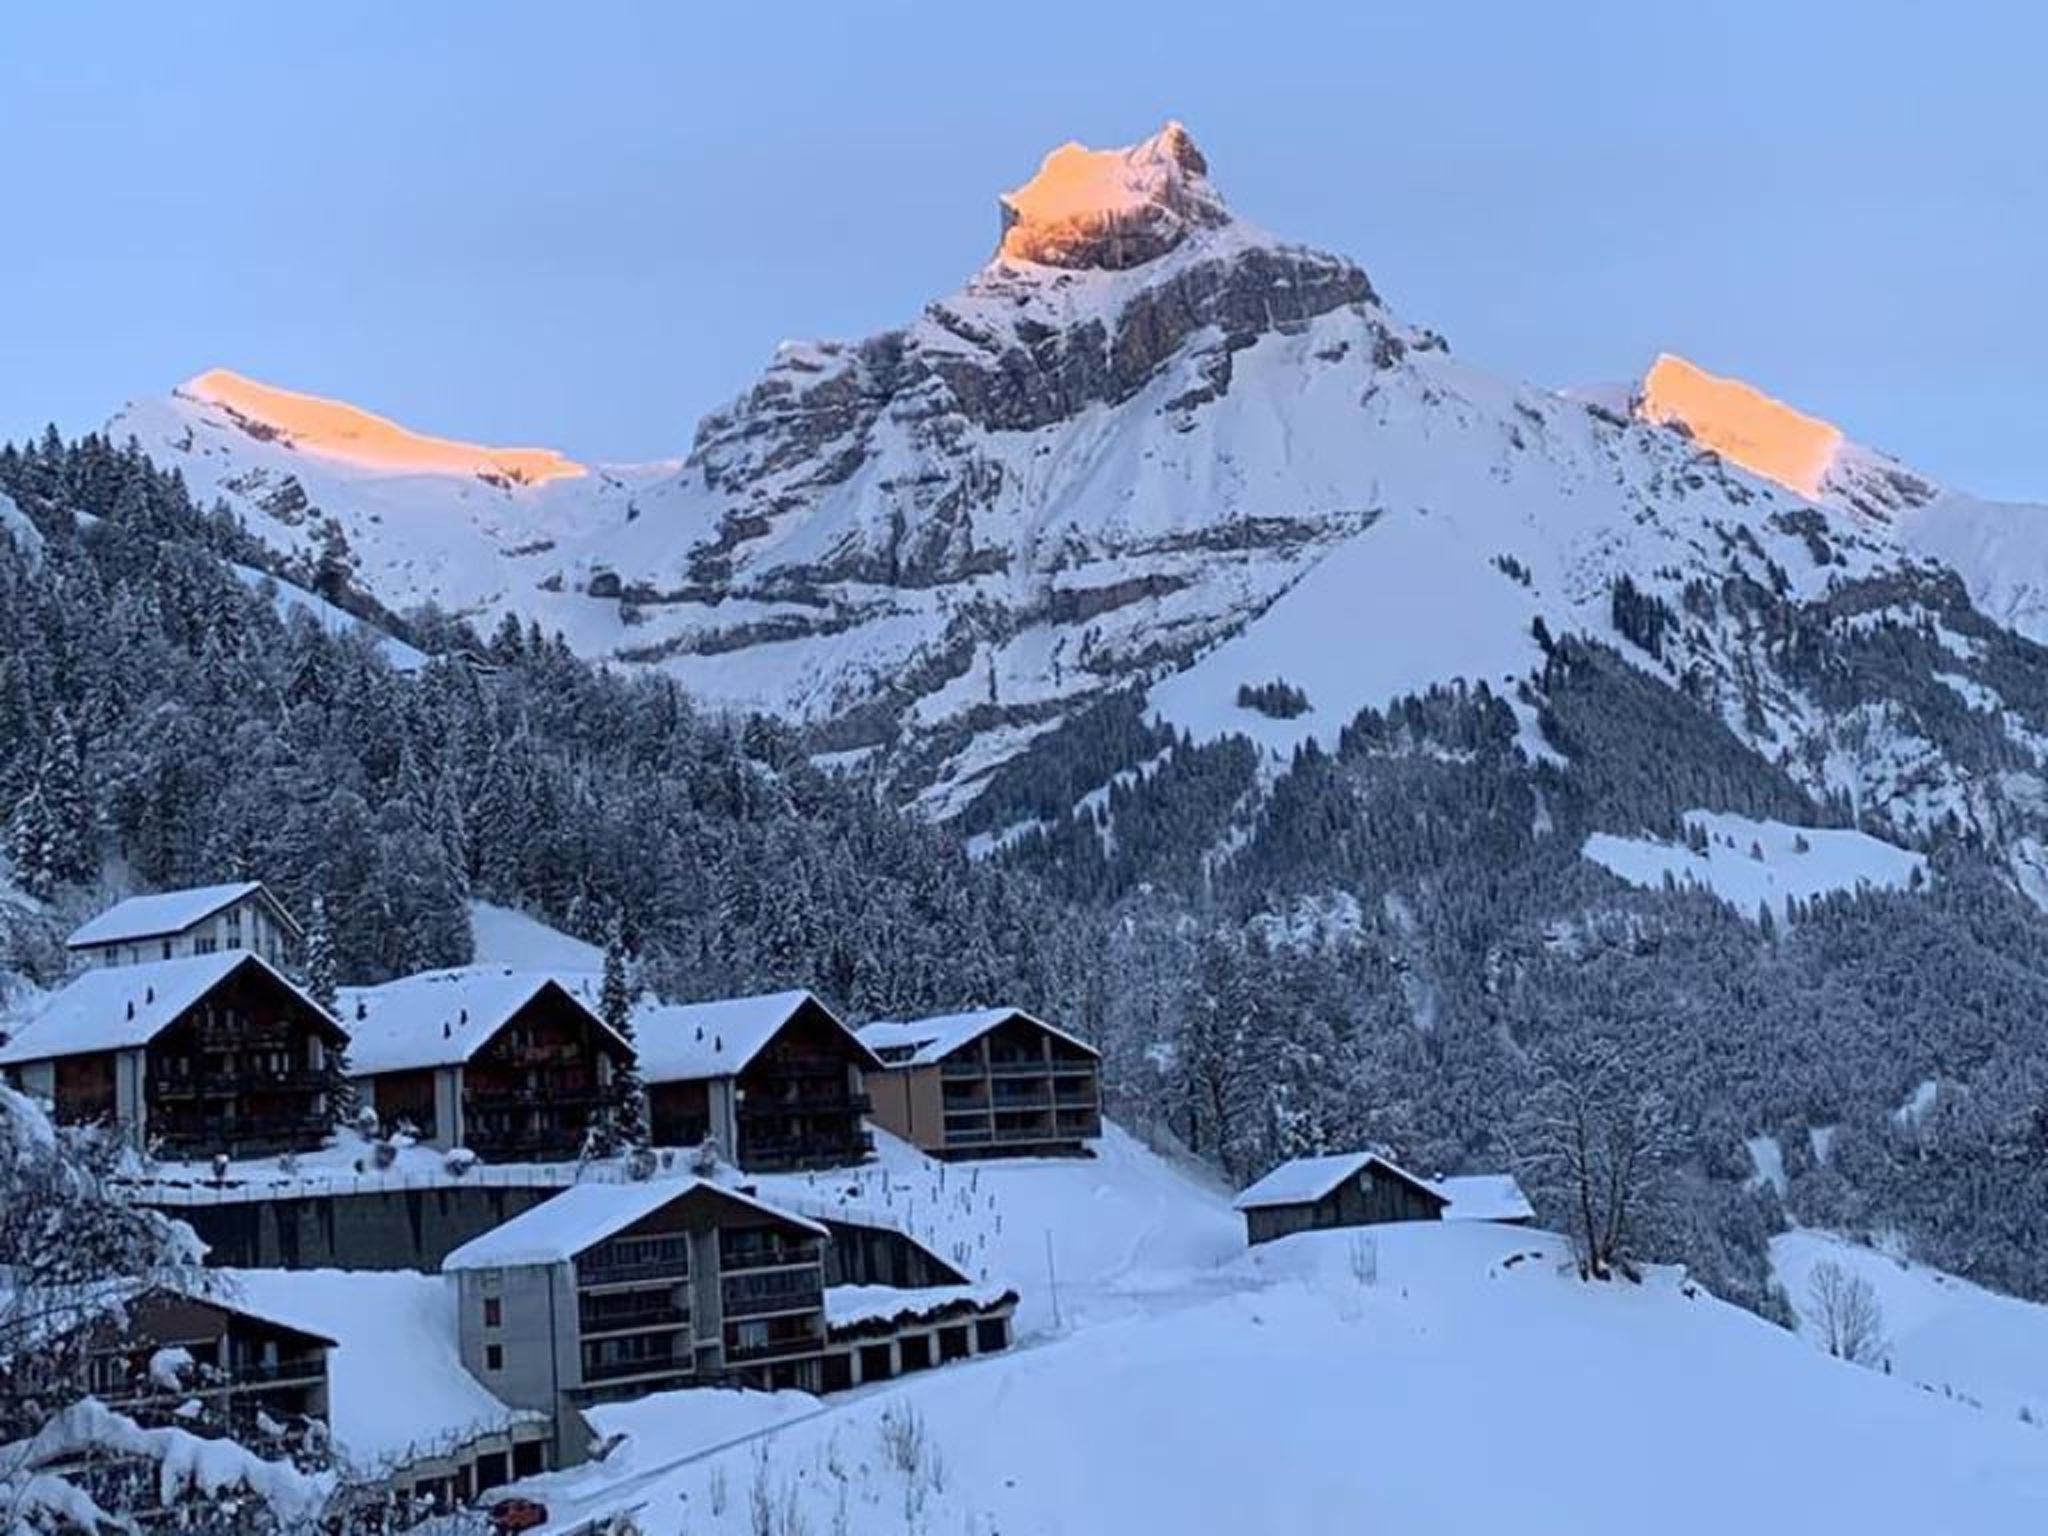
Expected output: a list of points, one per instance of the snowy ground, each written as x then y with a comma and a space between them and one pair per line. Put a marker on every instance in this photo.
397, 1388
1941, 1334
1754, 864
1416, 1378
505, 936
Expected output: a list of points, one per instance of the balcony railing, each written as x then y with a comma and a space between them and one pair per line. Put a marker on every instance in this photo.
484, 1100
773, 1349
662, 1364
647, 1266
734, 1257
972, 1067
1034, 1066
658, 1314
764, 1152
754, 1303
228, 1085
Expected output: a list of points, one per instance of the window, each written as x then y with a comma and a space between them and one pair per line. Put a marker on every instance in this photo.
494, 1357
167, 949
494, 1312
199, 947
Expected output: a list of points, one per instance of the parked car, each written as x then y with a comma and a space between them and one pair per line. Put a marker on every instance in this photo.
509, 1516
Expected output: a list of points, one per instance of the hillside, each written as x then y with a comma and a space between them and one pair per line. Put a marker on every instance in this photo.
1417, 1378
1323, 714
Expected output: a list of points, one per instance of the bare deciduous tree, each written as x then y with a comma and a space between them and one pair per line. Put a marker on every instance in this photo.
1594, 1145
1844, 1311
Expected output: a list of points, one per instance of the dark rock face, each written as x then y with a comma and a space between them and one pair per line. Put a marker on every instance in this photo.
988, 361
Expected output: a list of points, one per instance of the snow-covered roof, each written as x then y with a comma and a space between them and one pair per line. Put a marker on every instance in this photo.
1484, 1197
679, 1042
583, 1215
396, 1385
164, 912
931, 1040
1465, 1197
124, 1006
440, 1018
848, 1305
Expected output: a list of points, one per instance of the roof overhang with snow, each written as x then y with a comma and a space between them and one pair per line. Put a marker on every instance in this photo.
584, 1215
125, 1007
1305, 1180
924, 1042
688, 1042
443, 1018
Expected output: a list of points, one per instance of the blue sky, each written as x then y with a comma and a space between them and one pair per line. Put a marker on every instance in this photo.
585, 226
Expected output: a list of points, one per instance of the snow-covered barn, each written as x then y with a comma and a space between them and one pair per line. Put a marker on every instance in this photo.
1359, 1189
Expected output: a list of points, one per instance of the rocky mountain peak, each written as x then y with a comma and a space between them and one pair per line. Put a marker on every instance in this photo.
1111, 209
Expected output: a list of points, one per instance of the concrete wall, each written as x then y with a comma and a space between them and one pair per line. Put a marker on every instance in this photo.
378, 1229
537, 1340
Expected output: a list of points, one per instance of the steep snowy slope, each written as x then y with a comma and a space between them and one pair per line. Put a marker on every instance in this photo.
2000, 549
422, 519
1938, 1332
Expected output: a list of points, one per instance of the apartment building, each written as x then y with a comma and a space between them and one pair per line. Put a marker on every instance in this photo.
989, 1083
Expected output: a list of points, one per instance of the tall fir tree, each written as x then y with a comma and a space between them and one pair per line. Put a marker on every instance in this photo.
322, 985
626, 1111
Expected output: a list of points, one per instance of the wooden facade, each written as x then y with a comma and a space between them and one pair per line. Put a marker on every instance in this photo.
1378, 1192
801, 1102
241, 1366
529, 1091
779, 1084
533, 1089
245, 1069
1017, 1087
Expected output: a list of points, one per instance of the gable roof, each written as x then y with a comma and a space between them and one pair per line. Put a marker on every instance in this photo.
584, 1215
930, 1040
680, 1042
1305, 1180
442, 1018
1485, 1197
166, 912
123, 1006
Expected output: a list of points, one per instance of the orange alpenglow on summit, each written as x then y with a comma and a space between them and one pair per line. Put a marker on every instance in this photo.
1743, 425
338, 431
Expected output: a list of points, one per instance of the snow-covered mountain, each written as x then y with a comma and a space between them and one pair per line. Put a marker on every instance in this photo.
1150, 445
2000, 549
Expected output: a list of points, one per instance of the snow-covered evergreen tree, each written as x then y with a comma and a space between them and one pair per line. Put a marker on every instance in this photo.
625, 1110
